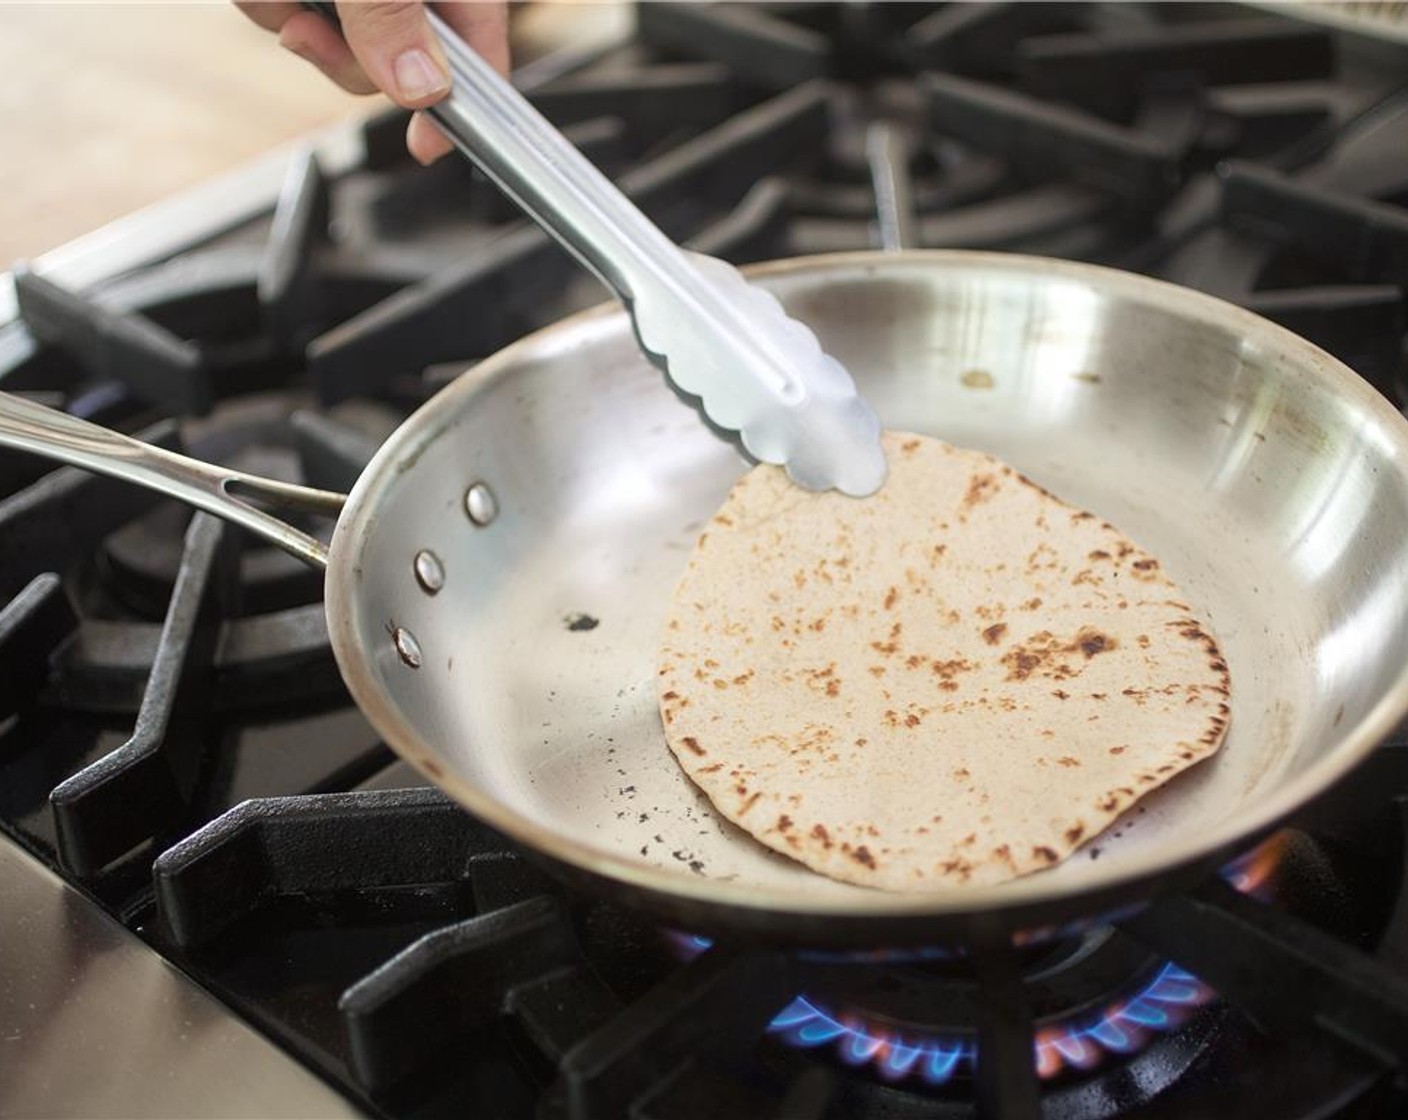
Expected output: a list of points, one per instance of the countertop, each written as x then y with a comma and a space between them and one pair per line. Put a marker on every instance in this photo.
108, 107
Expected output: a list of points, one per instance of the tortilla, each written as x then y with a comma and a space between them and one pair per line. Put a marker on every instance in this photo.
957, 681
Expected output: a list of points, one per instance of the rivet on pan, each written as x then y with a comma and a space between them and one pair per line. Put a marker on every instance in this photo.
407, 646
480, 504
430, 573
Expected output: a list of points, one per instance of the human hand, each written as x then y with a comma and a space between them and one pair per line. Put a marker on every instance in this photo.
390, 47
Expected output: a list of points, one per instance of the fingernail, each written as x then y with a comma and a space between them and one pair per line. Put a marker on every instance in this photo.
417, 75
297, 48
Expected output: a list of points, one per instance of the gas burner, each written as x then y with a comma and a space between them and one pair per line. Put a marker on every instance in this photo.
917, 1026
620, 1019
1130, 1029
278, 435
201, 336
911, 1018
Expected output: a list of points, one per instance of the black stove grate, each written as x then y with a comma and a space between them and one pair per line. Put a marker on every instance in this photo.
173, 732
530, 955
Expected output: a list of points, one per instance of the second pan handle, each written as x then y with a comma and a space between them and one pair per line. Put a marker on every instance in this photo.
227, 494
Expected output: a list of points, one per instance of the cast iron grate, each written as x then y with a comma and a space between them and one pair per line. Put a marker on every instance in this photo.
157, 670
610, 1041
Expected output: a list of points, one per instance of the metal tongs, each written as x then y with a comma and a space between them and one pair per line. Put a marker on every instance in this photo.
754, 369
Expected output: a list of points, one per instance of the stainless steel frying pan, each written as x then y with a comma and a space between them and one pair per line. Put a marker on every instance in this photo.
498, 577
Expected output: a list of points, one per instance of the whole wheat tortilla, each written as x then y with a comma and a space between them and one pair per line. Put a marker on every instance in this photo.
956, 681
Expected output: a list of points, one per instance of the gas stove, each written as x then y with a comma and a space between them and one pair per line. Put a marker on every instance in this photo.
223, 895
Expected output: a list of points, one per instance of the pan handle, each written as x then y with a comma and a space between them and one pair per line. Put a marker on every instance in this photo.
27, 426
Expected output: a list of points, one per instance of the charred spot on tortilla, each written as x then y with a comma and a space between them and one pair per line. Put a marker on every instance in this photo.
960, 667
579, 622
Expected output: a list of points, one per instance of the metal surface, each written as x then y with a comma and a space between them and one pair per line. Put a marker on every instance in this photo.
1271, 481
720, 340
174, 224
97, 1024
887, 153
27, 426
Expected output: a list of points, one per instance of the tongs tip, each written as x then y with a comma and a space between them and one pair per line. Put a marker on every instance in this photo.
847, 457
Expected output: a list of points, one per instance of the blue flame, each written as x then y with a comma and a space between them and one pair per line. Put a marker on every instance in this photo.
1160, 1006
1123, 1028
1163, 1005
805, 1024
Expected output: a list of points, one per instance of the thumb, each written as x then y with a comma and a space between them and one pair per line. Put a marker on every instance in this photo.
398, 50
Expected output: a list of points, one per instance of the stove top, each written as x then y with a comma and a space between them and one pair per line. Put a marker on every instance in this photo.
212, 866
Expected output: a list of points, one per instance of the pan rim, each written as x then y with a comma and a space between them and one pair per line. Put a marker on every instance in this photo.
1203, 847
